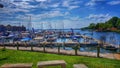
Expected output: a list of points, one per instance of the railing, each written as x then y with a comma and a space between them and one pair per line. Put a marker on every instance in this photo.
65, 48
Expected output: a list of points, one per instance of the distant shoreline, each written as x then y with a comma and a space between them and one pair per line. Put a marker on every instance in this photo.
96, 30
111, 25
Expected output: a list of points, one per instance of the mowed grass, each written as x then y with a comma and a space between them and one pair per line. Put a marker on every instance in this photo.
14, 56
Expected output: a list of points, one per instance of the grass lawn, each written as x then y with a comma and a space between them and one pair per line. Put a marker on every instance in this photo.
14, 56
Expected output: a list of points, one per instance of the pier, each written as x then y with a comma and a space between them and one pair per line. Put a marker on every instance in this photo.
69, 42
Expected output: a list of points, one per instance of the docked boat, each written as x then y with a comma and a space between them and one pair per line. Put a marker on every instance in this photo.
39, 38
74, 39
112, 48
51, 38
26, 39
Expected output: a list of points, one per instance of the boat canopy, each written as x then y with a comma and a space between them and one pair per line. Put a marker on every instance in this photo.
38, 38
26, 39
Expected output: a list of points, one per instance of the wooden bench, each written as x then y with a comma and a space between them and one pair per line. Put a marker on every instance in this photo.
79, 66
19, 65
52, 63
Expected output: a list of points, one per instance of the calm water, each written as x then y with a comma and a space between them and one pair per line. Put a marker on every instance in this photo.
110, 37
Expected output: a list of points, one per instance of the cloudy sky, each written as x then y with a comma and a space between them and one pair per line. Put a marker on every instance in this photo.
55, 13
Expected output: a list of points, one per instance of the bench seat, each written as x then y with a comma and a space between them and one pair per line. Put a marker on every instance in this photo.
79, 66
52, 63
18, 65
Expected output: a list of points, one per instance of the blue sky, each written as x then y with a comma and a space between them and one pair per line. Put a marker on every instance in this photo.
71, 13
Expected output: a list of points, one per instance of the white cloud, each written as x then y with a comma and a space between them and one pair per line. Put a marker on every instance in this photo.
99, 17
66, 13
12, 7
41, 0
43, 5
27, 0
65, 3
24, 5
93, 2
74, 22
73, 7
76, 2
19, 10
14, 23
114, 2
11, 11
75, 18
39, 18
55, 5
70, 4
47, 15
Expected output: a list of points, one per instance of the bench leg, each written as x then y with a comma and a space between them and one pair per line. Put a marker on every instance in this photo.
41, 67
63, 66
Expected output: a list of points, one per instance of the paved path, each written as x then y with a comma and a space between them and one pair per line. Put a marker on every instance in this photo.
79, 66
69, 52
117, 56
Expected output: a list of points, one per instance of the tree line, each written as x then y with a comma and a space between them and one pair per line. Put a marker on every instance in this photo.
4, 28
112, 24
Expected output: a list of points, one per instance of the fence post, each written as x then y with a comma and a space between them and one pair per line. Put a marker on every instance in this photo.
64, 45
31, 46
51, 44
98, 51
76, 47
119, 49
17, 46
4, 48
58, 45
44, 47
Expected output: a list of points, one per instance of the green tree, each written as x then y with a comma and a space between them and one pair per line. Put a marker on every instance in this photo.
113, 21
100, 26
118, 24
92, 25
97, 26
107, 25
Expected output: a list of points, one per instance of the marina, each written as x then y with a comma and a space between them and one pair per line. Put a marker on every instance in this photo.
65, 40
59, 34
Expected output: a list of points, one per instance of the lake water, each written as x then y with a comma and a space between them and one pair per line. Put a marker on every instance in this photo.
109, 37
